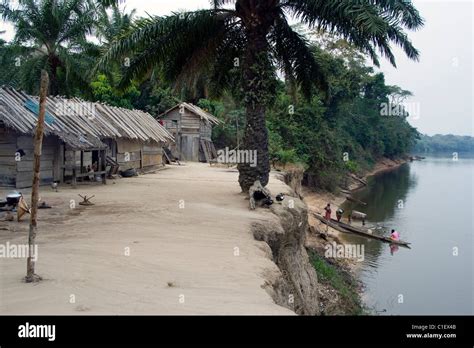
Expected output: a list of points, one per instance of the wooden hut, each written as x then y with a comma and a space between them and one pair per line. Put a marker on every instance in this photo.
80, 137
191, 128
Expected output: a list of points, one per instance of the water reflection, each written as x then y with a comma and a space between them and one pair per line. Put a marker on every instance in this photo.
384, 194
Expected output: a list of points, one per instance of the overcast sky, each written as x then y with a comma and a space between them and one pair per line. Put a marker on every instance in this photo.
442, 82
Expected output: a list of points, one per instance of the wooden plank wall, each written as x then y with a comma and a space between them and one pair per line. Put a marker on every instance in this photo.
205, 130
190, 122
152, 154
190, 147
24, 168
133, 148
141, 154
7, 157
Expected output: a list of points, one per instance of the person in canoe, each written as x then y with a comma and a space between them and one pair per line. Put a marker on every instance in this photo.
339, 213
395, 235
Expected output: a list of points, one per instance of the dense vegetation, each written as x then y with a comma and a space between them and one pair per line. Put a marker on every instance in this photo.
444, 143
321, 103
348, 133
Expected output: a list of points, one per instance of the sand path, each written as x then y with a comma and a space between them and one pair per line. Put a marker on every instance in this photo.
180, 227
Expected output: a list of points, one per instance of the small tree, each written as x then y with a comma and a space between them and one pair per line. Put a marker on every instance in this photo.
38, 144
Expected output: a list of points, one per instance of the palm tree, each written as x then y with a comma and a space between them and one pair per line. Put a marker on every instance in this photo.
54, 32
254, 38
110, 26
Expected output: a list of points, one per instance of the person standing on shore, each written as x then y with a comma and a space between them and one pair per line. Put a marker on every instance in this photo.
339, 213
327, 215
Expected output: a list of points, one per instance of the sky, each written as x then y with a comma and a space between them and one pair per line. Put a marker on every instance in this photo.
442, 81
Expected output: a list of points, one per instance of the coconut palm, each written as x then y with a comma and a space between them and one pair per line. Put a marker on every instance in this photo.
254, 39
54, 32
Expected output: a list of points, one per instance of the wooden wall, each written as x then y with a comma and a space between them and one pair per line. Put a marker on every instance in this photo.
188, 132
19, 174
140, 155
190, 147
205, 130
7, 158
131, 149
152, 154
24, 168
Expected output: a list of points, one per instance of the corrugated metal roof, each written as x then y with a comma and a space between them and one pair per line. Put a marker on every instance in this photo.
79, 123
195, 110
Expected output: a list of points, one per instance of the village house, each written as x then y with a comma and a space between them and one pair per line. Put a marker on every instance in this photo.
191, 128
80, 137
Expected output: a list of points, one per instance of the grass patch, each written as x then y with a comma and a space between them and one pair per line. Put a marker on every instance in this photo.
339, 281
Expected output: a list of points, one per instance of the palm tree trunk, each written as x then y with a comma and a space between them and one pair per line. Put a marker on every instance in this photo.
53, 75
257, 74
30, 264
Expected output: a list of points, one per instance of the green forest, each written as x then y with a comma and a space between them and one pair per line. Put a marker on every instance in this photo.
444, 143
320, 96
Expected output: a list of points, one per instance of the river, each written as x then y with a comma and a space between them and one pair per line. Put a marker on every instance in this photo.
430, 203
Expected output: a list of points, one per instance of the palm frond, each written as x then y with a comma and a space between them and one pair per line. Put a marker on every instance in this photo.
219, 3
183, 36
367, 24
295, 58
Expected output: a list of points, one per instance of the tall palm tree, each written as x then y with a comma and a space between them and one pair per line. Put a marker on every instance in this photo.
55, 32
255, 38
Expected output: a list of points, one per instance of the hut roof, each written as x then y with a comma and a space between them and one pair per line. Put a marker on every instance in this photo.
80, 124
195, 110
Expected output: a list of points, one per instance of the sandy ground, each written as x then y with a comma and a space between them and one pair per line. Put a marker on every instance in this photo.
163, 243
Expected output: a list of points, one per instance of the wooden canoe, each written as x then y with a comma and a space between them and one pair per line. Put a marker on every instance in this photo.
358, 215
355, 200
340, 226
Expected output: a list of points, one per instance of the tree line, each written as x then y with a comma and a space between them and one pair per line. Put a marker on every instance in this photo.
444, 143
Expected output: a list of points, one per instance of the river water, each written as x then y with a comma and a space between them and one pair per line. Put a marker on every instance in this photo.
430, 203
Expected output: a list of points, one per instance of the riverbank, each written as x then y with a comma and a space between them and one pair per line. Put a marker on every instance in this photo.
342, 294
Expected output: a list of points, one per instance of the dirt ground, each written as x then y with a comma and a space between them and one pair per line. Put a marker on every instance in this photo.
174, 242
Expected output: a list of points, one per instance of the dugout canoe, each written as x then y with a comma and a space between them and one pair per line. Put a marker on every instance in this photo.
358, 215
342, 227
